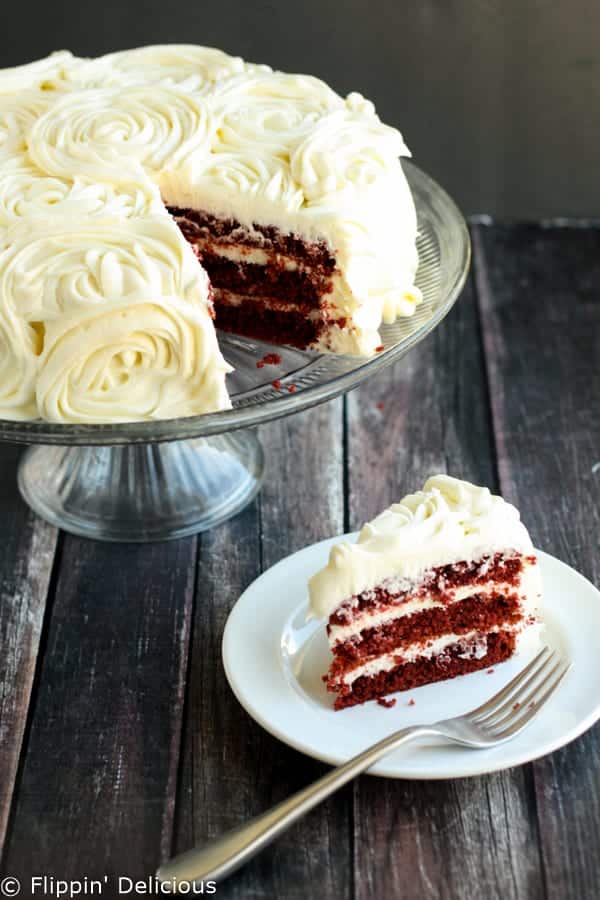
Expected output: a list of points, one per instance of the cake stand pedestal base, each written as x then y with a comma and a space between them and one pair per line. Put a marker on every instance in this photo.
143, 492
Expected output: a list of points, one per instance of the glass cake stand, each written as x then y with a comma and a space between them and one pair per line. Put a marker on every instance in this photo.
154, 480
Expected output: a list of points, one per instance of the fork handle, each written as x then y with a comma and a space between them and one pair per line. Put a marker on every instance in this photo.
220, 857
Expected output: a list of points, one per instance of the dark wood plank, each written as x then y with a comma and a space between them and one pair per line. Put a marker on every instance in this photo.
435, 838
218, 737
232, 769
538, 290
99, 775
27, 547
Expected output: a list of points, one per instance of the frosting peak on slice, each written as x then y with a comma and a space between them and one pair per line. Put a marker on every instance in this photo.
449, 520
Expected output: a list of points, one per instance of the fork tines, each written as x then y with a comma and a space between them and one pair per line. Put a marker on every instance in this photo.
515, 705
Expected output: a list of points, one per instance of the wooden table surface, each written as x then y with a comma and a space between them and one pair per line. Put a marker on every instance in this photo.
120, 741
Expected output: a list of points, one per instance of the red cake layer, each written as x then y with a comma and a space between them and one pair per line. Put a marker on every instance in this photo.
449, 664
479, 612
270, 325
439, 583
303, 289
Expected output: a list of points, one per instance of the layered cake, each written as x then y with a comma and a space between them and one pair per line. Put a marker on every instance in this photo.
291, 198
441, 584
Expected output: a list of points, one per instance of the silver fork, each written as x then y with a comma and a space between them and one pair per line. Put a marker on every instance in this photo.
501, 718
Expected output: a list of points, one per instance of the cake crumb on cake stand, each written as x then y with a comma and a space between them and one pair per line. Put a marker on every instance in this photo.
157, 480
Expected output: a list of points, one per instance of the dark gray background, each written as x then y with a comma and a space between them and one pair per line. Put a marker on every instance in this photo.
498, 100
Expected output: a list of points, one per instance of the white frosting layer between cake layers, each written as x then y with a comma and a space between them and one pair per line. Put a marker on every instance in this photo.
475, 645
448, 521
83, 139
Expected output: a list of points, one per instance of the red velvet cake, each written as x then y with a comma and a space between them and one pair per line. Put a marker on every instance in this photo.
293, 198
444, 583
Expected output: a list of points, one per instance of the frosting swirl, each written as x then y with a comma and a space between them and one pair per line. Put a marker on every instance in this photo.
255, 175
114, 322
27, 192
344, 151
144, 359
59, 267
110, 133
17, 114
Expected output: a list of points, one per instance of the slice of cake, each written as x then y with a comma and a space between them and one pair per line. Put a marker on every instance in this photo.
302, 216
443, 583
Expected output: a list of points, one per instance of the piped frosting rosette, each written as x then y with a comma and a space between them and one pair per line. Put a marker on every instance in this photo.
261, 84
117, 320
348, 149
141, 358
110, 133
230, 183
61, 266
348, 165
25, 191
269, 112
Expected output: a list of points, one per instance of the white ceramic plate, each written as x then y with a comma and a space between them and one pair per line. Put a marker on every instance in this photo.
274, 661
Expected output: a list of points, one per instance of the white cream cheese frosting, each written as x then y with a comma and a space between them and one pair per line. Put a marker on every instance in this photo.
187, 66
111, 132
27, 192
89, 143
18, 112
113, 322
448, 521
48, 74
325, 168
